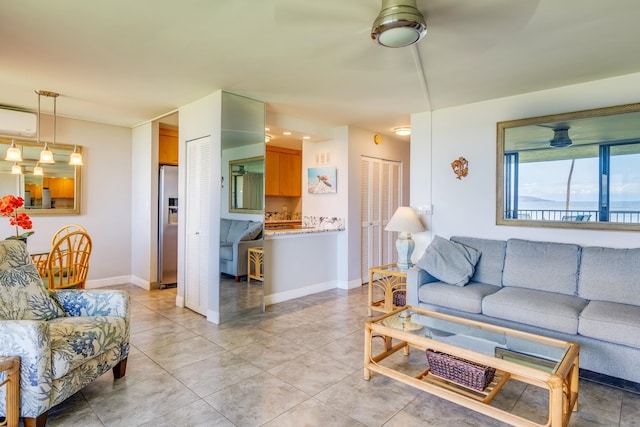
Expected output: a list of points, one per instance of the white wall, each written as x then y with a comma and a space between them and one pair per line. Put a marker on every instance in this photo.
106, 198
197, 120
467, 206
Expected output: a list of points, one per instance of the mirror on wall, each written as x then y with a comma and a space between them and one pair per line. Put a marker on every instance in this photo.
246, 178
572, 170
242, 192
55, 192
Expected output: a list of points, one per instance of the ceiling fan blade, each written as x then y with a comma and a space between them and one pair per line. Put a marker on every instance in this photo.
472, 24
326, 15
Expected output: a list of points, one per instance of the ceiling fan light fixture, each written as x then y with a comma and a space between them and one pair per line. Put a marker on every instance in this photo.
398, 24
560, 138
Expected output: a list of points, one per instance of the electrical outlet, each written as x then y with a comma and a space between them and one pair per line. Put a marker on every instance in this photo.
425, 210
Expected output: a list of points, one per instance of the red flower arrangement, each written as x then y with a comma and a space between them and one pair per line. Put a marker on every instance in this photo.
8, 207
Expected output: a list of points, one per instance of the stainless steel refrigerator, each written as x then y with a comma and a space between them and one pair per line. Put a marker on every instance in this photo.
168, 226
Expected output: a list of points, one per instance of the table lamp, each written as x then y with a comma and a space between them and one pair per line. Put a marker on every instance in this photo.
405, 221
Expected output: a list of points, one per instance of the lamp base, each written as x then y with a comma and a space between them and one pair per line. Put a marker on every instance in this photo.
404, 246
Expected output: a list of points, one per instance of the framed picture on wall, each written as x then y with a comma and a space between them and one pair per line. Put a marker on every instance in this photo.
323, 180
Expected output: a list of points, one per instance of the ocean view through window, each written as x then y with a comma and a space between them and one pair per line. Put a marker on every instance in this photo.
584, 176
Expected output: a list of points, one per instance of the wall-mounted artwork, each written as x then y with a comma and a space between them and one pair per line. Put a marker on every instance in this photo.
323, 180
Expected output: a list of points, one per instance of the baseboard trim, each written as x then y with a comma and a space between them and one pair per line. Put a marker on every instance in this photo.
297, 293
111, 281
351, 284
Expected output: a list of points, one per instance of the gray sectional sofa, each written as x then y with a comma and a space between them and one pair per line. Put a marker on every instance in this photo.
588, 295
236, 237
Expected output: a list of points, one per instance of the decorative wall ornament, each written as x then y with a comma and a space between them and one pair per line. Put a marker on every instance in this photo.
460, 167
322, 180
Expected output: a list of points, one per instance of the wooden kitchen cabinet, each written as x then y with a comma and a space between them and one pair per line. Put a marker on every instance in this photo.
60, 188
283, 172
168, 146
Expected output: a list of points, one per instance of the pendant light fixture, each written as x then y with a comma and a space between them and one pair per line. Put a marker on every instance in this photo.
46, 156
14, 154
16, 169
37, 170
76, 158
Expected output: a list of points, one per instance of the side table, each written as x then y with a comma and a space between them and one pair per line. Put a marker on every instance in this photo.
393, 282
255, 264
10, 367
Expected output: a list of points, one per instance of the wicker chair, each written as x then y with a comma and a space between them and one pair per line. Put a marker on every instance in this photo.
66, 229
67, 264
40, 259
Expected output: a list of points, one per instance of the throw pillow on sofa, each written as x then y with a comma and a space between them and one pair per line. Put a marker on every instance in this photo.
449, 262
252, 231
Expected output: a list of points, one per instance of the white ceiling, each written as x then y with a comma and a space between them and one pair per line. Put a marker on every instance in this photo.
126, 62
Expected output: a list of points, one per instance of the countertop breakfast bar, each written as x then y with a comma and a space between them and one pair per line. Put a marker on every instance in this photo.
299, 261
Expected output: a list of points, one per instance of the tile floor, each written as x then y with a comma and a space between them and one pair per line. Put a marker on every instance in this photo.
298, 364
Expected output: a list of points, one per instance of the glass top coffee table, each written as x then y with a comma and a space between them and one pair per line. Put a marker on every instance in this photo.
468, 348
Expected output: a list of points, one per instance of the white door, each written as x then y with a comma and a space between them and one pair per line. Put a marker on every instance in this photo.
381, 193
197, 224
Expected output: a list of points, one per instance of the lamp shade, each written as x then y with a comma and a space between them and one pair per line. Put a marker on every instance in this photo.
46, 156
405, 219
13, 153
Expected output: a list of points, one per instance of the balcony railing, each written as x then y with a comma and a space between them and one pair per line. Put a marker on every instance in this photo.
625, 217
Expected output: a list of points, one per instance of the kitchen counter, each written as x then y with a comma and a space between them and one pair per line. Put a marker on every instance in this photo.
295, 230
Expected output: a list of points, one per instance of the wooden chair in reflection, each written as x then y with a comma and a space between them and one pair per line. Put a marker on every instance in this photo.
67, 264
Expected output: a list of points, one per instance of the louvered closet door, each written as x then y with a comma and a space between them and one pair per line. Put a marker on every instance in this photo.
381, 189
197, 224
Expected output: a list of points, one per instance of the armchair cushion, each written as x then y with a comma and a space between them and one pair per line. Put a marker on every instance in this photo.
24, 297
75, 340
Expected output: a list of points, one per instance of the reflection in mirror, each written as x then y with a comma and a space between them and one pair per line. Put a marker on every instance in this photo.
56, 191
573, 170
247, 185
242, 155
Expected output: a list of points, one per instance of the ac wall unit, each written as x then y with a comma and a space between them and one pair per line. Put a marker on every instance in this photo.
17, 123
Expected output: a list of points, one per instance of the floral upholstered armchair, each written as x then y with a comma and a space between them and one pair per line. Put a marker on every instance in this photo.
65, 339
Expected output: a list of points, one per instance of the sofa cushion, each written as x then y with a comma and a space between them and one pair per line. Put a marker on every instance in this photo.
74, 340
611, 321
225, 225
468, 298
24, 297
609, 274
545, 266
226, 251
491, 263
448, 261
547, 310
